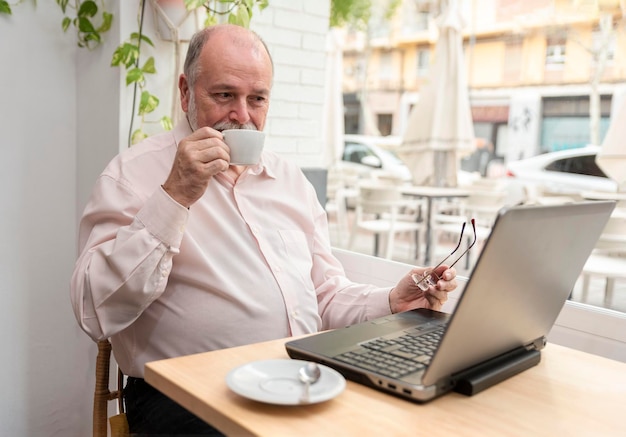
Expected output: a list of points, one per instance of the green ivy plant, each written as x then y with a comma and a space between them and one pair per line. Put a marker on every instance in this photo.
90, 21
88, 32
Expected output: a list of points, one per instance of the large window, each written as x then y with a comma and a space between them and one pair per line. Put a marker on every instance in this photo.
565, 122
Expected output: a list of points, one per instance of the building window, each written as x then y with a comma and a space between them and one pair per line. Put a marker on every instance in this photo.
555, 53
384, 123
565, 122
415, 17
598, 41
385, 72
423, 61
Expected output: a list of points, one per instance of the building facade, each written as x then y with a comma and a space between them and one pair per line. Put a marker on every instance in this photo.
542, 75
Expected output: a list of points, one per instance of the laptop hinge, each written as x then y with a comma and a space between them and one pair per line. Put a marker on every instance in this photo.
538, 344
484, 375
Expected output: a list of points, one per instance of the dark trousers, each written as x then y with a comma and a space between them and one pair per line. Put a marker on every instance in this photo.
150, 412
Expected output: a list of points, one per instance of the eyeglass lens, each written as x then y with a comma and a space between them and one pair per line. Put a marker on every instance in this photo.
430, 278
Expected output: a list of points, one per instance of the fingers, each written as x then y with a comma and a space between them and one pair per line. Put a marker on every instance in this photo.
204, 145
199, 157
436, 298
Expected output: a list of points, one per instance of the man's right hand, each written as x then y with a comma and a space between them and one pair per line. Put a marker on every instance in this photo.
198, 157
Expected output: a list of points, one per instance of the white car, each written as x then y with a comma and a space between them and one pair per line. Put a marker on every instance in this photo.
566, 172
366, 153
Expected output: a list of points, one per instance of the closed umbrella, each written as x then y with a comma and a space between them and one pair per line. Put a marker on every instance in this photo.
612, 156
440, 128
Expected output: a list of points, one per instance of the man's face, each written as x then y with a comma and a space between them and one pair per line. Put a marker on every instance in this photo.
232, 88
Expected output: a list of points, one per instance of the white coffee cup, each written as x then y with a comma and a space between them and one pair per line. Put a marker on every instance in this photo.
245, 145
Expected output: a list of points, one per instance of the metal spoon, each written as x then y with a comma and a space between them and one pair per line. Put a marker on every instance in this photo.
308, 374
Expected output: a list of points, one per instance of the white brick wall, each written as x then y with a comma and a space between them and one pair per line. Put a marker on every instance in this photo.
295, 32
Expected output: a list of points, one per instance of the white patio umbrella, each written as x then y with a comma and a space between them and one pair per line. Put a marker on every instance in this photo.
440, 129
333, 121
612, 156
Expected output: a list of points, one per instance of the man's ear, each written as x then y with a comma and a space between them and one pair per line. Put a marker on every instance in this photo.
183, 87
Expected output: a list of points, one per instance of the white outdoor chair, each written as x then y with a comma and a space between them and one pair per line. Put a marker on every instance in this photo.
480, 205
338, 191
382, 210
608, 260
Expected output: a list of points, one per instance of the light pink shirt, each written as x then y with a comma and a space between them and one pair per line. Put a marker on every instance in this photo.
250, 261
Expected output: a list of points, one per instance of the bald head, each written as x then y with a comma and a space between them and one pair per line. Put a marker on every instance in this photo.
225, 37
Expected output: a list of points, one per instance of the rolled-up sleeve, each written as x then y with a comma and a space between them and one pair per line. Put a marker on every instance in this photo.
126, 249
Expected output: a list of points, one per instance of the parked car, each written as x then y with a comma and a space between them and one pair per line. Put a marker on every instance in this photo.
366, 153
566, 172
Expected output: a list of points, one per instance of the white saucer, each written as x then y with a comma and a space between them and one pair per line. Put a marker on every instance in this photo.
276, 382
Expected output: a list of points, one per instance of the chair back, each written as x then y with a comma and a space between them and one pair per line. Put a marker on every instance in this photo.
379, 199
613, 237
103, 394
484, 205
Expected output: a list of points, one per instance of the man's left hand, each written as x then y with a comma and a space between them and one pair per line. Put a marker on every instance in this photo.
407, 295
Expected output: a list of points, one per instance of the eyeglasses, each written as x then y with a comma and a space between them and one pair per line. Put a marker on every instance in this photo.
429, 278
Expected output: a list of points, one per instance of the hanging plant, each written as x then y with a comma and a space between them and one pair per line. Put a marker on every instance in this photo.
90, 21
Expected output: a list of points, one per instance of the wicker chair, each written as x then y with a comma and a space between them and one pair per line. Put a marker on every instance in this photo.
102, 396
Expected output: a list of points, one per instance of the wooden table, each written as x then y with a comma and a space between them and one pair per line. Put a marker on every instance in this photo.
431, 193
570, 393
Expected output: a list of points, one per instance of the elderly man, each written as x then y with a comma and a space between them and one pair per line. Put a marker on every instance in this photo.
182, 252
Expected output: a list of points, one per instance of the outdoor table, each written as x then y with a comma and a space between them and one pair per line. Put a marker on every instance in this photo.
431, 193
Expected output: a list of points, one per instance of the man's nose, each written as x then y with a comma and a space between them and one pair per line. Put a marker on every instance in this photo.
239, 111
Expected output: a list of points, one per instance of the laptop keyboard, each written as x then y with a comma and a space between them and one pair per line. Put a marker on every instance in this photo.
397, 357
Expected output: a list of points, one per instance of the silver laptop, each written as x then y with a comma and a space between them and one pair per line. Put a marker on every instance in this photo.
525, 273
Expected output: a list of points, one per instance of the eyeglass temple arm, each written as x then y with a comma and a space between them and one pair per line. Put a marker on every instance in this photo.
468, 247
451, 253
455, 249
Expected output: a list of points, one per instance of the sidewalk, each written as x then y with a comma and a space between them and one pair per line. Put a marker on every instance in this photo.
404, 251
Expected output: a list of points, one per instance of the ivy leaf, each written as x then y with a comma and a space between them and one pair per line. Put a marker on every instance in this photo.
166, 123
125, 54
148, 67
148, 103
134, 75
107, 19
94, 37
241, 17
87, 9
84, 25
5, 8
193, 4
137, 136
210, 20
62, 4
67, 21
135, 37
